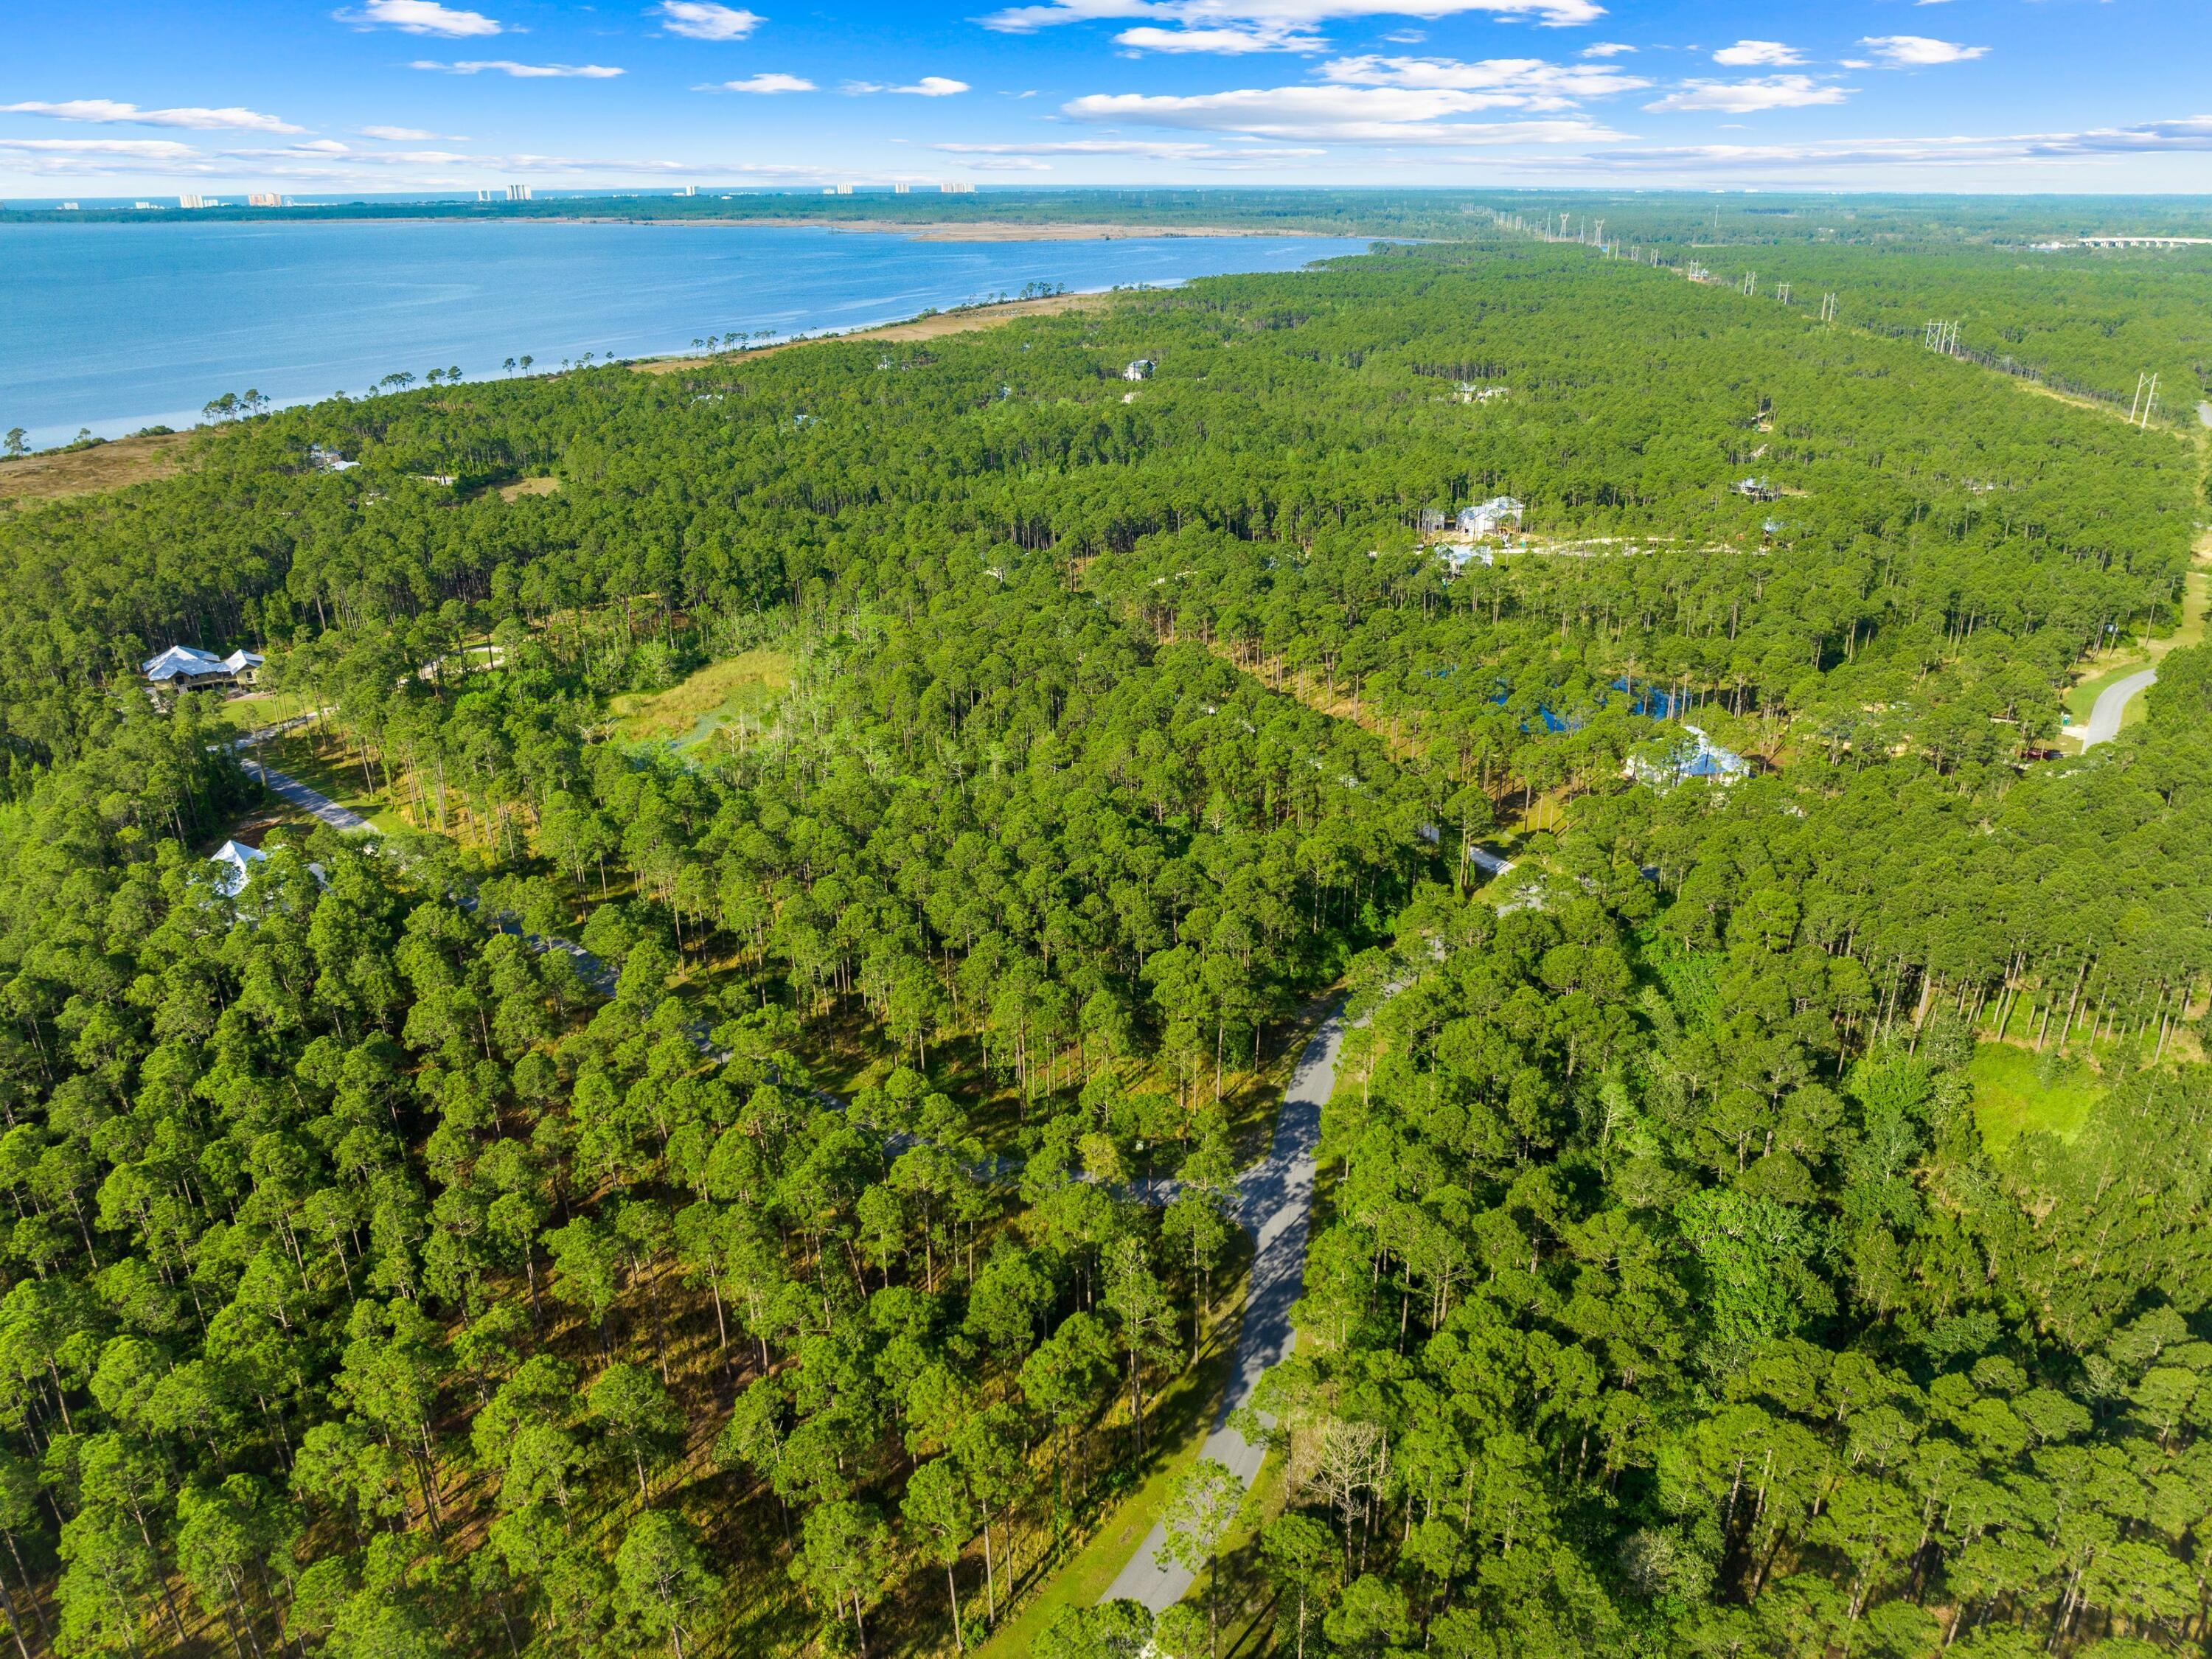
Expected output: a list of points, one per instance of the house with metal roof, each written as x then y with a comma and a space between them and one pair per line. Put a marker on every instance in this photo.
1491, 517
187, 668
1693, 755
235, 861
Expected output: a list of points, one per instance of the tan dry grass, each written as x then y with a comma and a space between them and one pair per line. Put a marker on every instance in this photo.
58, 474
919, 328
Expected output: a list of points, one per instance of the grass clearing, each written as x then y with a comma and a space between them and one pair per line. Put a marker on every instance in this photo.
718, 694
2018, 1091
544, 484
53, 475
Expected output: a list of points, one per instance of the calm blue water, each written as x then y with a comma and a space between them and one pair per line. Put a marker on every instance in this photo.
116, 327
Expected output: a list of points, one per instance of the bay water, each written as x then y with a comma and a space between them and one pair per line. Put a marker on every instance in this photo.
117, 327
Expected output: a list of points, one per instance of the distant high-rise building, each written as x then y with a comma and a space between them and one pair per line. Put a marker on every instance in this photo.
687, 189
265, 198
485, 195
518, 193
957, 190
192, 199
901, 190
69, 207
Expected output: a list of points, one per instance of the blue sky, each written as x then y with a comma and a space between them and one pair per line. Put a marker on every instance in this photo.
147, 96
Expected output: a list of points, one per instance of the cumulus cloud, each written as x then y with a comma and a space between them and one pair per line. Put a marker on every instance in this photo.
1607, 49
401, 135
697, 19
420, 17
1745, 97
766, 84
1753, 54
1917, 51
930, 86
1508, 82
1242, 22
1159, 149
1229, 42
522, 71
1338, 114
108, 111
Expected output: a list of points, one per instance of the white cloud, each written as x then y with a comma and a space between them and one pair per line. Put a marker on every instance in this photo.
97, 155
1917, 51
107, 110
1285, 19
1507, 82
1744, 97
2186, 134
698, 20
765, 84
1607, 49
420, 17
401, 135
1338, 114
1010, 164
930, 86
1159, 149
1406, 37
522, 71
1230, 42
1754, 54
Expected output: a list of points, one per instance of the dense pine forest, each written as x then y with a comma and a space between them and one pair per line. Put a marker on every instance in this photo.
742, 1156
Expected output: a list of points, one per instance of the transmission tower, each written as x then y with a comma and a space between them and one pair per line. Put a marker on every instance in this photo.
1828, 308
1783, 294
1750, 281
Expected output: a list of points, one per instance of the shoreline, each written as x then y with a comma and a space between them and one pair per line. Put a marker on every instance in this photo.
914, 230
929, 326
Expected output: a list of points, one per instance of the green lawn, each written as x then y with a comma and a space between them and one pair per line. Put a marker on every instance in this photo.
719, 694
2018, 1091
2081, 697
1181, 1420
328, 772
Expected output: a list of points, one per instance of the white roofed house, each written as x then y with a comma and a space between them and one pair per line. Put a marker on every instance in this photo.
236, 860
188, 668
1693, 755
185, 667
1492, 517
1140, 370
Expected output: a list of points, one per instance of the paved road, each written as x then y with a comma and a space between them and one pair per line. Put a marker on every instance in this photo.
1274, 1199
2111, 703
337, 817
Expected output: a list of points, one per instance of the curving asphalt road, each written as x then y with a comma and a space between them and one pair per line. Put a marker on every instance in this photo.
1274, 1199
2112, 704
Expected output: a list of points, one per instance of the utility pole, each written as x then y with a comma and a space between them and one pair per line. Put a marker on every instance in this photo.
1750, 281
1828, 308
1783, 294
2149, 399
2135, 403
